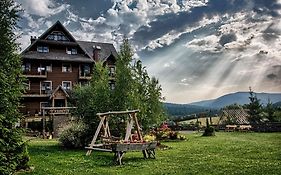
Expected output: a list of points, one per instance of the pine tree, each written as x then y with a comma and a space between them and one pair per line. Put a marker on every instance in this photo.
254, 107
269, 109
13, 153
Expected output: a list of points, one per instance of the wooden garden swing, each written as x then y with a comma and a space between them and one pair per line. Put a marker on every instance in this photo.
113, 144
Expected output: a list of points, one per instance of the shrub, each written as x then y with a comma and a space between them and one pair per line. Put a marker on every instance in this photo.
173, 135
149, 138
74, 136
181, 137
209, 131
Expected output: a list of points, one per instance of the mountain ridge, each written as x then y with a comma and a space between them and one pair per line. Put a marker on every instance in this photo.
239, 98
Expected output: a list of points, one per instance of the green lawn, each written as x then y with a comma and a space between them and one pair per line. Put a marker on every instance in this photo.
226, 153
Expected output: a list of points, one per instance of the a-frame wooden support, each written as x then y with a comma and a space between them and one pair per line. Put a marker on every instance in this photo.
104, 118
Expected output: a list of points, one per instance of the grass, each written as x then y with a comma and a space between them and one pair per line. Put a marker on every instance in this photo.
226, 153
215, 120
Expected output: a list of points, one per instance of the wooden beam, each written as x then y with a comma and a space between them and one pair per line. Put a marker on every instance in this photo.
138, 126
129, 128
118, 112
44, 124
96, 135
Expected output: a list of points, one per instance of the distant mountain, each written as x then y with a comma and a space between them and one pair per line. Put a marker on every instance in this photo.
239, 98
179, 110
176, 111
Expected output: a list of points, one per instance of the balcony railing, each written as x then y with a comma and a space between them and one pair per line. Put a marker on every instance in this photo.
35, 74
37, 93
84, 76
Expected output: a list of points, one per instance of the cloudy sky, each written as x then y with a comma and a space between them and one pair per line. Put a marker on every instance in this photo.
198, 49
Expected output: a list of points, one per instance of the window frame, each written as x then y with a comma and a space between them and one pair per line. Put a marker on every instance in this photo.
70, 67
82, 70
70, 83
71, 51
47, 81
49, 66
26, 67
43, 49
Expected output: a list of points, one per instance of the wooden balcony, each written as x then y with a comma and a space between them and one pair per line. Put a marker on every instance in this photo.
37, 93
57, 110
35, 74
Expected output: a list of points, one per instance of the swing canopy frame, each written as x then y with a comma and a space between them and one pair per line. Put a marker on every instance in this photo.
110, 143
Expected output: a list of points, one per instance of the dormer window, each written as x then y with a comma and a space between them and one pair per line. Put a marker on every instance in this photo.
43, 49
57, 36
71, 51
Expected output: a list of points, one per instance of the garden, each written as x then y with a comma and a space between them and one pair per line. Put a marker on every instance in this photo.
225, 153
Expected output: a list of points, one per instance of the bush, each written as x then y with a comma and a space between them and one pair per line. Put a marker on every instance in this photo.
74, 136
13, 151
149, 138
209, 131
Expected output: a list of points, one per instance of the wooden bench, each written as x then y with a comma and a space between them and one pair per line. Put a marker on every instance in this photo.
119, 149
148, 149
230, 128
244, 128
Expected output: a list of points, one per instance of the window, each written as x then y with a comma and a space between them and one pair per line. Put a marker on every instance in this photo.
112, 86
71, 51
46, 86
66, 85
66, 67
85, 70
26, 67
111, 71
57, 36
49, 68
43, 49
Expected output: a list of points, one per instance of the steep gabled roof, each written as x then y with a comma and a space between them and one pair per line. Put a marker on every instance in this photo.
236, 116
58, 24
47, 32
106, 49
56, 90
57, 56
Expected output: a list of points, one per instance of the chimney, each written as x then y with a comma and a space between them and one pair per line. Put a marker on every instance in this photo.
32, 39
96, 52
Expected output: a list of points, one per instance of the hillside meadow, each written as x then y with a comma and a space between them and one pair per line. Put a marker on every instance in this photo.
225, 153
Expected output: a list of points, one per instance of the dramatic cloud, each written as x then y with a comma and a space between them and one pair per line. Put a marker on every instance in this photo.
197, 48
42, 8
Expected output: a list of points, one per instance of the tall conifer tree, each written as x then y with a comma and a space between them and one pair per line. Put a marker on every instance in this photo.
13, 154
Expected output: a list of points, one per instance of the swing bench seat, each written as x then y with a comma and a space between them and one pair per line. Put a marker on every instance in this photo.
98, 149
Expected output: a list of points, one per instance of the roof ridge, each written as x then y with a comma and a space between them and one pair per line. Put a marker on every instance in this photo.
93, 42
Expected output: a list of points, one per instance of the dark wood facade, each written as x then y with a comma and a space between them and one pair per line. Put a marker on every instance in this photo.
55, 62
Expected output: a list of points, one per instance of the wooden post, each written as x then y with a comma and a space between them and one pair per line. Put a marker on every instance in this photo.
96, 135
138, 126
44, 124
129, 128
